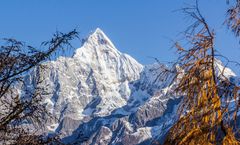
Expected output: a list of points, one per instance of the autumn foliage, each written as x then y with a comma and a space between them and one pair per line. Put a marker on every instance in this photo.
204, 115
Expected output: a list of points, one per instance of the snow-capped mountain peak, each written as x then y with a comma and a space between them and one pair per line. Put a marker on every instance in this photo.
108, 96
99, 37
97, 41
93, 82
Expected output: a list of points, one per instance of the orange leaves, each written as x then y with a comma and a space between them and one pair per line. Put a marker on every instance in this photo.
192, 133
179, 48
205, 96
202, 102
230, 139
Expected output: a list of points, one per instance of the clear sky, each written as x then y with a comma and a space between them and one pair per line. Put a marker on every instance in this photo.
141, 28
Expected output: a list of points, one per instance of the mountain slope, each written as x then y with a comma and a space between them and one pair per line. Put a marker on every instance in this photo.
103, 96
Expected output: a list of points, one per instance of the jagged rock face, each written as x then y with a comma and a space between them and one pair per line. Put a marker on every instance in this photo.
93, 82
102, 96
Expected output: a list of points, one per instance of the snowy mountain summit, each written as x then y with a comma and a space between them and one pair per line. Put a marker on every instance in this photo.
103, 96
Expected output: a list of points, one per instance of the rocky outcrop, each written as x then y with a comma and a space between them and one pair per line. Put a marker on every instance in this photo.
103, 96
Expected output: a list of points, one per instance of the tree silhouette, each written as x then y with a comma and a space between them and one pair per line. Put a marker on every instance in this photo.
22, 110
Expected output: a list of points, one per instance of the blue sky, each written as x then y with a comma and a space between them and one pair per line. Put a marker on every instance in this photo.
141, 28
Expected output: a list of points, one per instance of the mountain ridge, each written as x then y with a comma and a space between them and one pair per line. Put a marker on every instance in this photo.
103, 96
